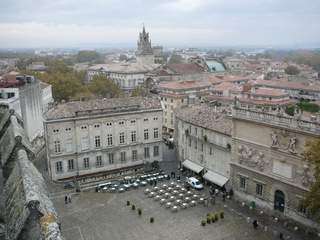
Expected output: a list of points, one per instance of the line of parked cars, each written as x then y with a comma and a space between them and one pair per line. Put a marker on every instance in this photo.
129, 182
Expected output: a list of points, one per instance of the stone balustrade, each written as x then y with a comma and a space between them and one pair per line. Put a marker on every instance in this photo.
278, 120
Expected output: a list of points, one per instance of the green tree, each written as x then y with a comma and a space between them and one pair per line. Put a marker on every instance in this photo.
88, 56
292, 70
139, 91
312, 202
290, 110
176, 58
308, 106
104, 87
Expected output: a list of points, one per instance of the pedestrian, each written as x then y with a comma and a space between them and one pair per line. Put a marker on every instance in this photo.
69, 198
281, 236
255, 224
231, 193
216, 191
155, 182
224, 197
66, 199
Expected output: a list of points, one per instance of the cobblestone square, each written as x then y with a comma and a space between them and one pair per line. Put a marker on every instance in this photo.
97, 216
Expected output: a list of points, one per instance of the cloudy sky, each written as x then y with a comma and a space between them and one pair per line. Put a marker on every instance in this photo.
100, 23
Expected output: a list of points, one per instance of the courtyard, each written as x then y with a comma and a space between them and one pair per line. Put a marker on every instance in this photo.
97, 216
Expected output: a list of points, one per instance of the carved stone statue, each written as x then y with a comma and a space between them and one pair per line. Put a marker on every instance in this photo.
260, 161
275, 139
292, 145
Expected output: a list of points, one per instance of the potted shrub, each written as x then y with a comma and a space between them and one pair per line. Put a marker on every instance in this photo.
216, 217
133, 207
203, 222
208, 220
221, 215
151, 220
139, 211
128, 203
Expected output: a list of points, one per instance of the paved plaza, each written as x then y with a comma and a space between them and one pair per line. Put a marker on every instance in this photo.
97, 216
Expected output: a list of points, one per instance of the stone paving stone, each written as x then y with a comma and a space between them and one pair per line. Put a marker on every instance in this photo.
106, 216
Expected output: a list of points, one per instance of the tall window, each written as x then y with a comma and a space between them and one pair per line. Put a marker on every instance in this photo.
155, 132
189, 142
146, 152
134, 155
86, 162
243, 182
195, 144
59, 168
97, 141
133, 136
98, 161
146, 134
109, 139
123, 157
122, 138
201, 147
57, 146
259, 189
110, 157
156, 151
70, 165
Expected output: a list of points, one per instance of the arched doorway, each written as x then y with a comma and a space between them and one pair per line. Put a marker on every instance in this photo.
279, 201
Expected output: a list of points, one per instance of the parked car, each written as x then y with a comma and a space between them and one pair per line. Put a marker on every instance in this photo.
195, 183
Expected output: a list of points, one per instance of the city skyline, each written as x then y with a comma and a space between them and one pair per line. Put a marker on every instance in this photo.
202, 23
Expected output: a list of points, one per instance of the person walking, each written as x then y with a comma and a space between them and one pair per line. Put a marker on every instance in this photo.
281, 236
66, 199
69, 198
255, 224
224, 197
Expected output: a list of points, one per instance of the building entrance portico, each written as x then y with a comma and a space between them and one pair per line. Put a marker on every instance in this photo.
279, 200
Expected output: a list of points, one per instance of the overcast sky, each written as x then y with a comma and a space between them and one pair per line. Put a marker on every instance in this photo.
99, 23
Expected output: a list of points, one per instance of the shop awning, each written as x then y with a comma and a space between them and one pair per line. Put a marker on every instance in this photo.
215, 178
192, 166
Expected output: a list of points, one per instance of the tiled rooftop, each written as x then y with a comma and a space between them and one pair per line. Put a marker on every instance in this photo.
99, 106
124, 67
188, 84
205, 116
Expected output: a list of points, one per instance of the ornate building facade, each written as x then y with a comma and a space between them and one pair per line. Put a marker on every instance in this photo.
267, 166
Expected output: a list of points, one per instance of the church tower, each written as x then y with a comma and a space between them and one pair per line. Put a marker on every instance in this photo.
144, 52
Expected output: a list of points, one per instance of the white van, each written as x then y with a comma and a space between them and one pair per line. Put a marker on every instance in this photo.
195, 183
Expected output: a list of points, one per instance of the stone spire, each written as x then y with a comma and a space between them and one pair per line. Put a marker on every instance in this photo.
144, 43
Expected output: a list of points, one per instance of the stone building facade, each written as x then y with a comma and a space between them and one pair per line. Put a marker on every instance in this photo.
102, 136
203, 140
267, 167
175, 94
